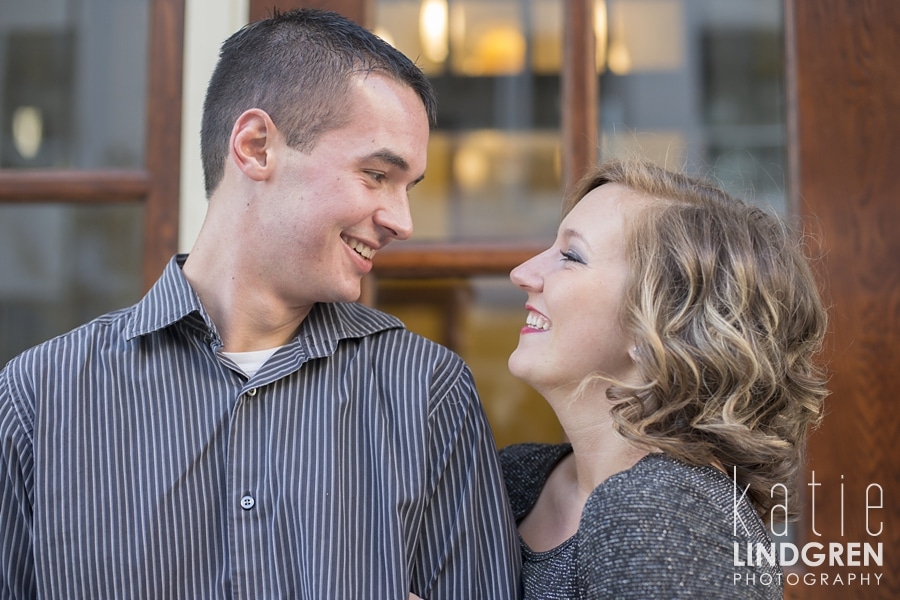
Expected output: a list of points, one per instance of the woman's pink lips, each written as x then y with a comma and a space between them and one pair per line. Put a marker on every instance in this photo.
528, 329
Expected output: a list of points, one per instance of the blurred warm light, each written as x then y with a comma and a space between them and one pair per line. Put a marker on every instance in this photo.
433, 29
601, 30
499, 50
27, 131
545, 25
619, 58
646, 36
471, 167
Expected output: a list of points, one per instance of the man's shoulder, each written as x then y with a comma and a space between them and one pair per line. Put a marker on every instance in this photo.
66, 357
390, 349
356, 317
97, 333
389, 333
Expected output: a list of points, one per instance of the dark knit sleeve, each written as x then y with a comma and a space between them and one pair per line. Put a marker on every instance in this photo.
661, 530
526, 468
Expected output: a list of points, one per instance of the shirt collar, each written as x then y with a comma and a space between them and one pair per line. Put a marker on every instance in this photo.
328, 323
172, 299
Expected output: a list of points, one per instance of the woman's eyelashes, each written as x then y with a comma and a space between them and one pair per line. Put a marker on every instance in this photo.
571, 256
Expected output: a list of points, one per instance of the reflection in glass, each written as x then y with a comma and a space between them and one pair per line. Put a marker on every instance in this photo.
695, 85
28, 131
72, 83
698, 85
62, 265
494, 160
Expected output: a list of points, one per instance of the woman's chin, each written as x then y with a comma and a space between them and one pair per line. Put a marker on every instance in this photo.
518, 366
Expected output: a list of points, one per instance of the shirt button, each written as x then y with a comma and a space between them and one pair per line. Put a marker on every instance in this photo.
251, 392
247, 502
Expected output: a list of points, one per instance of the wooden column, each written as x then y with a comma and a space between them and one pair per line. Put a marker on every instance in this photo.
163, 159
844, 148
579, 91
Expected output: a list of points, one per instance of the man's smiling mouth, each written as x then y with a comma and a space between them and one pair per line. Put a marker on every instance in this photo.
362, 249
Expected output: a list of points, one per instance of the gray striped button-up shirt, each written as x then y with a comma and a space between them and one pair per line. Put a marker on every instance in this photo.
137, 462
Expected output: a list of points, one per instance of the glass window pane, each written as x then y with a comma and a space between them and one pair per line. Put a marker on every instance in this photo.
73, 83
697, 84
494, 160
63, 264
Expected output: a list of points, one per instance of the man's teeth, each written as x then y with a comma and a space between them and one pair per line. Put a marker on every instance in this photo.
536, 321
361, 249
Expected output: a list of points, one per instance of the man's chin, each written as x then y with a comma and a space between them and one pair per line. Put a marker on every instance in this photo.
350, 293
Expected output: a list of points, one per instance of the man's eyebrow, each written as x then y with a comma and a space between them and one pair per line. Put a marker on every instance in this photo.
390, 157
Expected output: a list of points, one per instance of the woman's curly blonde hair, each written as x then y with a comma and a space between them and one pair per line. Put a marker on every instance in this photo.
728, 323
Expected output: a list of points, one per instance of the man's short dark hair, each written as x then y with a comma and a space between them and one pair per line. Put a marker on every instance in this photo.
296, 66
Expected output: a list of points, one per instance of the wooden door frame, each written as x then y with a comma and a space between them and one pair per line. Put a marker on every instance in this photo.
843, 144
157, 183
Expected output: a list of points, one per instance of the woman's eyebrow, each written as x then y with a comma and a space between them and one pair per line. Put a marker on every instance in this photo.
570, 234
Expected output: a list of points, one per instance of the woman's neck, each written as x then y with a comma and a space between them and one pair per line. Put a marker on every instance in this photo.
598, 453
599, 450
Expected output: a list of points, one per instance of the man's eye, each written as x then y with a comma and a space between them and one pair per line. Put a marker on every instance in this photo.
378, 176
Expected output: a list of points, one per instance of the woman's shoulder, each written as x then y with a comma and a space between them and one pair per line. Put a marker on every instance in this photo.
660, 487
666, 525
660, 474
526, 468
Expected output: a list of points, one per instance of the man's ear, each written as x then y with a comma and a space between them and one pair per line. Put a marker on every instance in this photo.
252, 139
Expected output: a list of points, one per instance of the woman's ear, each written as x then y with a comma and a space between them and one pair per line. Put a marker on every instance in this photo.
251, 143
634, 354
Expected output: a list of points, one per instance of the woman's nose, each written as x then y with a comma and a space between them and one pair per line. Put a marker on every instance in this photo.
527, 275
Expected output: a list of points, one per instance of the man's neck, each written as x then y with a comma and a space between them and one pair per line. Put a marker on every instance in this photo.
247, 317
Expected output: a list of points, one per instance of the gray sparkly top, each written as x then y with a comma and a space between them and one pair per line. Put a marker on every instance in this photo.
661, 529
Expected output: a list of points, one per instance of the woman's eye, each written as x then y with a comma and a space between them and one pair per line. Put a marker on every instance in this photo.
570, 256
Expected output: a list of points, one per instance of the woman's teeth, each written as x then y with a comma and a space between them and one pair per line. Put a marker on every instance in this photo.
536, 321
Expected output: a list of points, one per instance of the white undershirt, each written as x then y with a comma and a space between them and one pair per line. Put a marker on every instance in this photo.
250, 362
